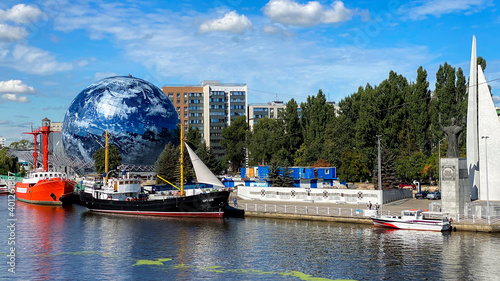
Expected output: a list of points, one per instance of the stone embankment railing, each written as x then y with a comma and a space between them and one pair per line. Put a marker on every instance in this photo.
355, 215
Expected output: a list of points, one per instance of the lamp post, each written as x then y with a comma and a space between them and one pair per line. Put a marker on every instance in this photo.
379, 165
439, 163
486, 167
380, 174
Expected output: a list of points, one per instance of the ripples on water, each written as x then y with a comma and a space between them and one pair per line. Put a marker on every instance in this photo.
72, 243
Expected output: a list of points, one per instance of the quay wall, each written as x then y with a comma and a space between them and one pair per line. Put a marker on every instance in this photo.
325, 195
352, 215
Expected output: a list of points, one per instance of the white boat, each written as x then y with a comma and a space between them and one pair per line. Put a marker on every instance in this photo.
415, 220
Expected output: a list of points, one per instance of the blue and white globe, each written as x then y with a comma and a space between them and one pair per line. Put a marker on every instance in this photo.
140, 118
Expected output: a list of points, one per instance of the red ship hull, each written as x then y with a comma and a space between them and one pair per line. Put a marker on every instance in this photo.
46, 191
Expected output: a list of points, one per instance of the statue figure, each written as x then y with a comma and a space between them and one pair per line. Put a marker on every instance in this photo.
453, 133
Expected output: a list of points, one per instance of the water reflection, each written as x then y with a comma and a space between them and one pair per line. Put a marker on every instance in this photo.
61, 243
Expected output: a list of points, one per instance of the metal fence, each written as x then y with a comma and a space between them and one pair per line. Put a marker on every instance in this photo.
473, 219
350, 212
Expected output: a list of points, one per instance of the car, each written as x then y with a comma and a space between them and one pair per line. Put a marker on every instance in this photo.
406, 185
421, 195
434, 195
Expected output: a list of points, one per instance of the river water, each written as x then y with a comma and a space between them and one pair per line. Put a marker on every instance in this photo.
71, 243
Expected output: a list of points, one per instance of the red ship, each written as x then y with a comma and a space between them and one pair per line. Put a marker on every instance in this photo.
44, 187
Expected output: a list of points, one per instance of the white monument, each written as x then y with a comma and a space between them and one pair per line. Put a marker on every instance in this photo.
483, 138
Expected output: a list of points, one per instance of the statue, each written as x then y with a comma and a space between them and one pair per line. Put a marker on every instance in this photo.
453, 133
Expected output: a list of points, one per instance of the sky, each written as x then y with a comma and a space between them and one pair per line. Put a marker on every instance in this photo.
282, 49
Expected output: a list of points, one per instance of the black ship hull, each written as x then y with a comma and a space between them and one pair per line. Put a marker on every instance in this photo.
210, 204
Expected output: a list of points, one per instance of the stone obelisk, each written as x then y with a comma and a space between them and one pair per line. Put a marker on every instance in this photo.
472, 126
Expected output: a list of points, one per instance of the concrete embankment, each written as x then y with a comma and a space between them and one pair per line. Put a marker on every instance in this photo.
252, 209
308, 217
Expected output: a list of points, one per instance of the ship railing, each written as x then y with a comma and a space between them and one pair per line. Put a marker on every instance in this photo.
350, 212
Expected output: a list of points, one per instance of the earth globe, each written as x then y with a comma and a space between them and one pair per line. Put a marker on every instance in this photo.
137, 115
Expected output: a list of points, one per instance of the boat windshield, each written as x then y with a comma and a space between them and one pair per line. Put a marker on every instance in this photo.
410, 213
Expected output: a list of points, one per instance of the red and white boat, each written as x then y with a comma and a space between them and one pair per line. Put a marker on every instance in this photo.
415, 220
44, 186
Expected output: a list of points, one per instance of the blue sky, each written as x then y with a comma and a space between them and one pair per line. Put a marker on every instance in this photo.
51, 50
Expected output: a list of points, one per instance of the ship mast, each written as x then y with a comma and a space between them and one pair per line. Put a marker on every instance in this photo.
44, 131
182, 160
106, 158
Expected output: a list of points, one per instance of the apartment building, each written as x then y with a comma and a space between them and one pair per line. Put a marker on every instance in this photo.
269, 110
210, 107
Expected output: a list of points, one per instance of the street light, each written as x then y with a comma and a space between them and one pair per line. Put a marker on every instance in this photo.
486, 167
379, 165
380, 175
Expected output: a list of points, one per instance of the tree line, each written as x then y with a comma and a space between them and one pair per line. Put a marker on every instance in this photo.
405, 114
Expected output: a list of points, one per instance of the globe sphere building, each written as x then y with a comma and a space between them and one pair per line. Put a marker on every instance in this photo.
139, 117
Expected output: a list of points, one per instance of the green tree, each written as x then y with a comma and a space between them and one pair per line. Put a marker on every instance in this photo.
114, 160
292, 135
418, 114
339, 135
167, 164
234, 142
209, 159
352, 168
265, 141
482, 62
194, 138
287, 177
316, 116
273, 176
20, 145
8, 163
388, 163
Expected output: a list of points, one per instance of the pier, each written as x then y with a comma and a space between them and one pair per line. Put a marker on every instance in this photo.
352, 213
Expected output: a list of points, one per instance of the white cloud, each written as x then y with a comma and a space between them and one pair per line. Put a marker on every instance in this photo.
35, 61
496, 99
292, 13
16, 86
15, 98
101, 75
231, 22
12, 33
174, 52
273, 29
338, 13
21, 14
15, 91
421, 9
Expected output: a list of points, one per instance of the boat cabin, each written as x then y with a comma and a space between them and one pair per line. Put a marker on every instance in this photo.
34, 177
115, 189
422, 215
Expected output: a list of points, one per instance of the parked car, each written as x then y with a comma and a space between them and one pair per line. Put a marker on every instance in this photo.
406, 185
421, 195
434, 195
